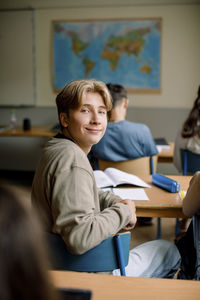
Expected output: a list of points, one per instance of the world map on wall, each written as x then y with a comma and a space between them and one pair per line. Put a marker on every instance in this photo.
125, 52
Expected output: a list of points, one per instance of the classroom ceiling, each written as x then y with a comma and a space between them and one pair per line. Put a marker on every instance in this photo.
42, 4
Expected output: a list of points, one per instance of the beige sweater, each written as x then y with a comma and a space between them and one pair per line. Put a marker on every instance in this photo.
69, 203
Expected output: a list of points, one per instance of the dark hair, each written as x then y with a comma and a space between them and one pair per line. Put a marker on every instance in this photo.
191, 127
23, 268
118, 93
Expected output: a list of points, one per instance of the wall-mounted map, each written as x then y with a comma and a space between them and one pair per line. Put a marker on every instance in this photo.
127, 52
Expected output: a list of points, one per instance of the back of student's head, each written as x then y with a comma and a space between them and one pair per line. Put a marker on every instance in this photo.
23, 266
191, 127
118, 93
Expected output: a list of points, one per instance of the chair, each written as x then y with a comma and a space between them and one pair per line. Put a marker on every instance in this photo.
111, 254
190, 162
139, 166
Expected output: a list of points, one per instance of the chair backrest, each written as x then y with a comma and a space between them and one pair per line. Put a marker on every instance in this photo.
190, 162
111, 254
139, 166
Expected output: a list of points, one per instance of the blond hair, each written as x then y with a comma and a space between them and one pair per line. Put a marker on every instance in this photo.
72, 94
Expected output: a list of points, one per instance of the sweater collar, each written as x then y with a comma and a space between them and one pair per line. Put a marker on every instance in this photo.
62, 136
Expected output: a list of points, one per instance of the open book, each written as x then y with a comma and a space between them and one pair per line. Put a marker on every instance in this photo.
114, 177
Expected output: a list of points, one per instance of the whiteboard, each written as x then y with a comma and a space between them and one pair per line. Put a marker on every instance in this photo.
16, 58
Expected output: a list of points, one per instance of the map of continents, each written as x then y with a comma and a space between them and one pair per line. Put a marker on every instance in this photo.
125, 52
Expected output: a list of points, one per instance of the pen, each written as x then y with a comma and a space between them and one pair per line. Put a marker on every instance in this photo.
182, 194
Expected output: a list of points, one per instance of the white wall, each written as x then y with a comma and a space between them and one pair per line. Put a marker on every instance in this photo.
16, 58
180, 51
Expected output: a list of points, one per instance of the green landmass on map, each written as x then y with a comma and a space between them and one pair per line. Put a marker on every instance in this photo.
88, 64
130, 43
77, 44
146, 69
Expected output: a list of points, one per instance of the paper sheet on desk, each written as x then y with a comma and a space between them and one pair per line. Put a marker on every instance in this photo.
160, 148
133, 194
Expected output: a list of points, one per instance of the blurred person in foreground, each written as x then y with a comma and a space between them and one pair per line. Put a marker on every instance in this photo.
23, 262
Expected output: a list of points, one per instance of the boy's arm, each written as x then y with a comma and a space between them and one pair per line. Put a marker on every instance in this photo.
191, 202
77, 214
106, 198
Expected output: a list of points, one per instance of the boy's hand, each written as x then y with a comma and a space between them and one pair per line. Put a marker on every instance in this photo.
131, 205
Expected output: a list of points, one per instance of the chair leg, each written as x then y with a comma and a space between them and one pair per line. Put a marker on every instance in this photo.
120, 255
159, 230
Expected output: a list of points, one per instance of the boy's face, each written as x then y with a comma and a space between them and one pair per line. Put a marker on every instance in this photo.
87, 124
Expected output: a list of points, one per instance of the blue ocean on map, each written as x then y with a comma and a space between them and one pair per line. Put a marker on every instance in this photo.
99, 50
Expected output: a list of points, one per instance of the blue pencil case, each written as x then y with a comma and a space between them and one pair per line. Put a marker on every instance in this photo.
166, 183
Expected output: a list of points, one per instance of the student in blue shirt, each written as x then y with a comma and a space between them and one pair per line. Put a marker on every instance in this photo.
123, 140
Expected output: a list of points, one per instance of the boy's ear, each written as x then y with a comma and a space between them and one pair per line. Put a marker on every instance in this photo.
126, 101
64, 119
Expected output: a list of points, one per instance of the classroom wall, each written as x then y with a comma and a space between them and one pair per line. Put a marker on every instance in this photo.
180, 56
163, 113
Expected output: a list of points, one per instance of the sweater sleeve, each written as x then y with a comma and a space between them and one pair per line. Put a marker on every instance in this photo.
76, 211
191, 202
106, 198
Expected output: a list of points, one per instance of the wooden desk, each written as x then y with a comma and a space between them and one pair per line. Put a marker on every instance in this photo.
36, 131
128, 288
166, 155
162, 203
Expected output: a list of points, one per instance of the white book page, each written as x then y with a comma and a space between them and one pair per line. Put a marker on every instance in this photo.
161, 147
120, 177
133, 194
102, 180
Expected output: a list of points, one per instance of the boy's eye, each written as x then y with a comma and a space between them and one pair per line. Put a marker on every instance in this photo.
103, 112
85, 110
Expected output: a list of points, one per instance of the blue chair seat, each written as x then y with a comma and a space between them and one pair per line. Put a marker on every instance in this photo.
190, 162
111, 254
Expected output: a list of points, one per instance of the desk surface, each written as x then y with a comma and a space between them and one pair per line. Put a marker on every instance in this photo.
162, 203
166, 155
129, 288
36, 131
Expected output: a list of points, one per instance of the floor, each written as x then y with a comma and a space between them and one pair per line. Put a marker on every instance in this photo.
21, 181
141, 234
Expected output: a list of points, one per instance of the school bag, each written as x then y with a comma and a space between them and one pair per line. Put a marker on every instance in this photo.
189, 248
